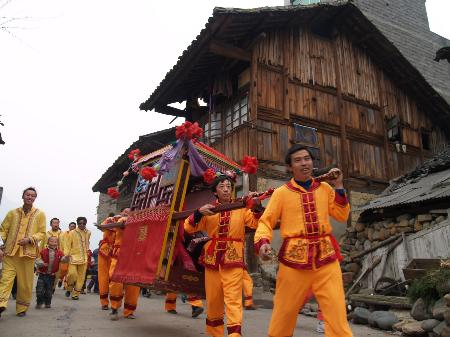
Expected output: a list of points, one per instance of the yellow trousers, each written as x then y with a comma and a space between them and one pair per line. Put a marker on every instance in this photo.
171, 301
104, 263
23, 268
248, 289
116, 292
75, 278
223, 289
292, 287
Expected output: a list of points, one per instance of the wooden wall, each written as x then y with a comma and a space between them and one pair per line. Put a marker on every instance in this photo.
300, 77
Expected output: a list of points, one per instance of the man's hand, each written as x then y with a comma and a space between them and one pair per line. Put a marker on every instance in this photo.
24, 241
206, 209
65, 259
338, 182
265, 252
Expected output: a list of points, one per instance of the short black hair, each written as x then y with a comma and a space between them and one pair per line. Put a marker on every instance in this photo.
52, 220
295, 148
219, 179
111, 214
29, 189
72, 223
81, 218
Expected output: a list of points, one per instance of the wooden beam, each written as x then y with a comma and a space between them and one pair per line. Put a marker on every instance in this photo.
168, 110
228, 50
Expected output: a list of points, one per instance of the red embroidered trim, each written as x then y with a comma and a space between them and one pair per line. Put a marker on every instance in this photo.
257, 245
248, 297
103, 296
129, 306
340, 200
115, 298
214, 323
234, 329
171, 301
193, 298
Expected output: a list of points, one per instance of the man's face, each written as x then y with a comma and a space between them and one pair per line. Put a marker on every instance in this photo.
125, 212
301, 165
52, 242
28, 197
223, 191
72, 226
55, 225
81, 224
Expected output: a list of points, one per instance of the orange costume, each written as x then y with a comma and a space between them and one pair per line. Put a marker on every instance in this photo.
104, 263
309, 254
223, 259
248, 289
116, 289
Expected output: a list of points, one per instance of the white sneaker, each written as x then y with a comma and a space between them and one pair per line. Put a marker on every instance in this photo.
320, 327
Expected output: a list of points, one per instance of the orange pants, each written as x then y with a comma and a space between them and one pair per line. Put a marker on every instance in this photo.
104, 263
248, 289
171, 301
116, 292
291, 290
223, 288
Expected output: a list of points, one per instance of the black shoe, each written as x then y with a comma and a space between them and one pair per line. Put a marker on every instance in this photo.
196, 311
174, 312
60, 284
114, 316
105, 307
67, 293
1, 310
183, 298
48, 306
21, 314
75, 298
38, 306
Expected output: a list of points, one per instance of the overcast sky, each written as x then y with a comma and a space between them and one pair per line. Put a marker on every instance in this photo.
71, 80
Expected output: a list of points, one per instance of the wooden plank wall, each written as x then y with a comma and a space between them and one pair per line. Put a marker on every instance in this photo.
369, 99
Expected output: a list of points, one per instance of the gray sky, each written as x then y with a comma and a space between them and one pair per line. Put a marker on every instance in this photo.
72, 79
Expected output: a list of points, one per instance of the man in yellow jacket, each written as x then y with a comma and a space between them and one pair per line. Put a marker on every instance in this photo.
20, 233
223, 258
309, 254
76, 246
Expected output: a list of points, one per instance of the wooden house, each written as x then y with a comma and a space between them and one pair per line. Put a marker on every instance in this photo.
322, 75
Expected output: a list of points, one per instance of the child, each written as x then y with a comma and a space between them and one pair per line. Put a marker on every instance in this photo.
48, 265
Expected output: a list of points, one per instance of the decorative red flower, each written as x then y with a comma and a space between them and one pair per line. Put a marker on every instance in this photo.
148, 173
188, 131
113, 192
249, 164
209, 175
134, 154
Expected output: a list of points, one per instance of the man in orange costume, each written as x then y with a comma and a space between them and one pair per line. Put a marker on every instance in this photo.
104, 261
309, 254
223, 258
116, 289
195, 302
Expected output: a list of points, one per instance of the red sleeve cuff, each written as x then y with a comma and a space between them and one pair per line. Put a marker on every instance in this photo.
258, 244
340, 200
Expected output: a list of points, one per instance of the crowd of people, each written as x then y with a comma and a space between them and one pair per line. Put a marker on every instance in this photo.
309, 255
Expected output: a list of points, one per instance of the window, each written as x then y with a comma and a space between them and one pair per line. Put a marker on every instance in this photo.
394, 130
425, 138
236, 113
213, 130
304, 2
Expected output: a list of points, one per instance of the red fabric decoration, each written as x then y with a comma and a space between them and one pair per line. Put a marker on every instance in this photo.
113, 192
250, 164
134, 154
148, 173
188, 131
209, 176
